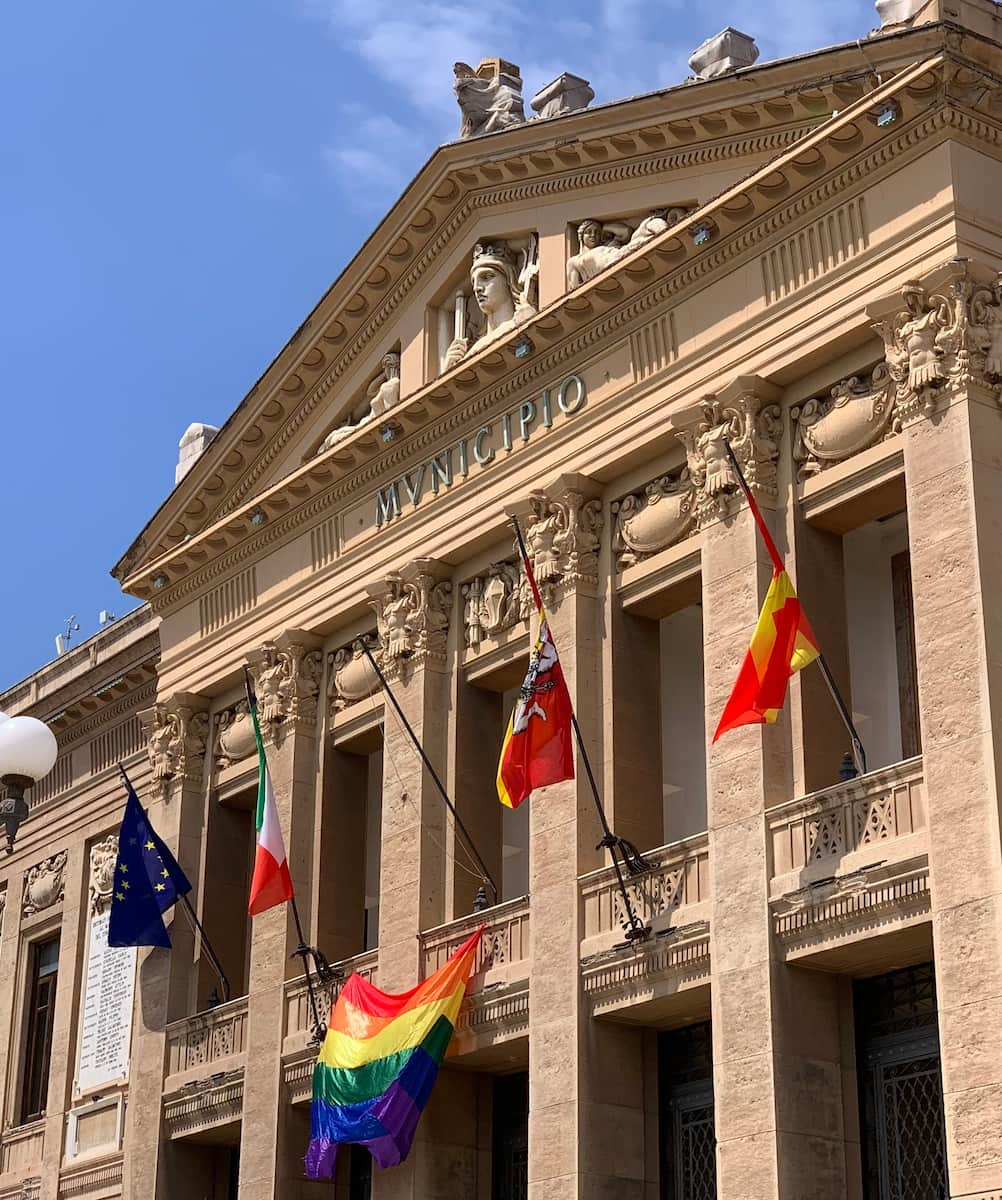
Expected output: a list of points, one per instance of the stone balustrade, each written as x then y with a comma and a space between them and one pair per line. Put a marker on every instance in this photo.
679, 877
21, 1148
505, 942
299, 1018
848, 826
206, 1043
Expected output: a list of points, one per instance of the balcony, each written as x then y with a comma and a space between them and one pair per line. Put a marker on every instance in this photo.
643, 980
20, 1159
299, 1052
850, 862
205, 1069
496, 1010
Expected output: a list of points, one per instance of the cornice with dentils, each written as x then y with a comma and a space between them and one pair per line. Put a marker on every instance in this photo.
760, 109
845, 151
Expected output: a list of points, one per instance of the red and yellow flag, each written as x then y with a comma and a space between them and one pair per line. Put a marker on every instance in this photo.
783, 642
537, 748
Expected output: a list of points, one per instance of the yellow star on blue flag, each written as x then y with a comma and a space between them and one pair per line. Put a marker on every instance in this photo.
149, 881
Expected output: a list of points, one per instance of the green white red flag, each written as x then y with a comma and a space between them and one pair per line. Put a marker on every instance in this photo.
272, 883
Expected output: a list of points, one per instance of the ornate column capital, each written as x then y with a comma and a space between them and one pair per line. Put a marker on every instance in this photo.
177, 730
941, 333
563, 528
412, 613
286, 675
746, 414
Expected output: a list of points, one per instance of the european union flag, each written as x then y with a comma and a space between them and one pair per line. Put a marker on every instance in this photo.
147, 881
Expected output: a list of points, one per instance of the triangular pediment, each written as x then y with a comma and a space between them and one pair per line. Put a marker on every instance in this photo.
330, 370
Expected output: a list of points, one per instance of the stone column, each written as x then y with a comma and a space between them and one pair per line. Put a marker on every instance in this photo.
176, 732
953, 474
412, 610
586, 1124
287, 680
777, 1084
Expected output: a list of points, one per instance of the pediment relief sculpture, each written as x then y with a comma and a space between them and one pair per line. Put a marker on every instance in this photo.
655, 518
412, 614
103, 855
563, 537
44, 885
489, 98
857, 413
495, 601
746, 419
352, 677
287, 682
234, 735
382, 394
601, 244
176, 736
504, 277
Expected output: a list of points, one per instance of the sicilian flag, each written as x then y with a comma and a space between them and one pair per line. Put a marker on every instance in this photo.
379, 1062
272, 883
537, 748
783, 642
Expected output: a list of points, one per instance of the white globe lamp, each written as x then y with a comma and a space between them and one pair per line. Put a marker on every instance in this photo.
28, 752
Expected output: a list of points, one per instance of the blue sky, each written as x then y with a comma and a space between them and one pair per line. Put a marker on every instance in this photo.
180, 183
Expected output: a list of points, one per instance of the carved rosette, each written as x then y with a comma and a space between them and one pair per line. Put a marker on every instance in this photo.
176, 735
653, 519
496, 601
412, 614
563, 537
351, 677
287, 681
234, 735
103, 855
939, 335
44, 885
745, 417
856, 413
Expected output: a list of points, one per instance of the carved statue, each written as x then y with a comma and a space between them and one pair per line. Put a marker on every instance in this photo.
567, 93
504, 286
287, 677
490, 97
563, 537
102, 871
385, 392
602, 244
916, 344
412, 614
165, 745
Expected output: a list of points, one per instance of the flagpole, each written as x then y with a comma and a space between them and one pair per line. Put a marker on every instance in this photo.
632, 858
214, 962
486, 875
855, 743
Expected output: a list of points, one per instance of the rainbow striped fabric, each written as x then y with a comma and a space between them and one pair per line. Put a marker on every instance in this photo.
379, 1061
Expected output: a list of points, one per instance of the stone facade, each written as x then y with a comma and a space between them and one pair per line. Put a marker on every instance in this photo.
815, 283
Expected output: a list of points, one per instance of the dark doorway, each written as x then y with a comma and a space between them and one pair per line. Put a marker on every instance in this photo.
685, 1100
510, 1175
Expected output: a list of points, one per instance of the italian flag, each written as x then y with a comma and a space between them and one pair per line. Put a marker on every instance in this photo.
272, 883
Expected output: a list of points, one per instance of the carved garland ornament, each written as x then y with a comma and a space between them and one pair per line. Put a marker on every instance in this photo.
653, 519
102, 872
176, 736
44, 885
234, 735
412, 615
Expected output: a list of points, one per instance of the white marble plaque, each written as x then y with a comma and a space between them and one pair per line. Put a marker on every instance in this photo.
106, 1031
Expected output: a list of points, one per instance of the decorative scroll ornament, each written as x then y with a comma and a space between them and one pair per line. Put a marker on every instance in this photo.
751, 425
655, 518
563, 537
176, 735
102, 872
44, 885
287, 682
857, 413
495, 601
351, 677
412, 614
234, 735
601, 244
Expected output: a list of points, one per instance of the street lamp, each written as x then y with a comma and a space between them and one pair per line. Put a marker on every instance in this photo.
28, 752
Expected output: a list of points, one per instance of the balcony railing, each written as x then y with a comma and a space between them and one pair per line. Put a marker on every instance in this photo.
505, 943
21, 1148
207, 1039
679, 878
847, 825
299, 1018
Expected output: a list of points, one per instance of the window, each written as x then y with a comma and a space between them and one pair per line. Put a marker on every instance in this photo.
44, 968
510, 1137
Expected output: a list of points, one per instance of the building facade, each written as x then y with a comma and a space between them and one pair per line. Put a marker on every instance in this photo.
562, 319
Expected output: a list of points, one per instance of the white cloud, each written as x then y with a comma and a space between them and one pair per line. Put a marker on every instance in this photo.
371, 158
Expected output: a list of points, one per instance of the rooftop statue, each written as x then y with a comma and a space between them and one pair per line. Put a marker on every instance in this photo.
604, 243
567, 93
505, 289
489, 97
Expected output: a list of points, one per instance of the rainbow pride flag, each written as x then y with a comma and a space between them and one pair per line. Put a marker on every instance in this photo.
379, 1062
